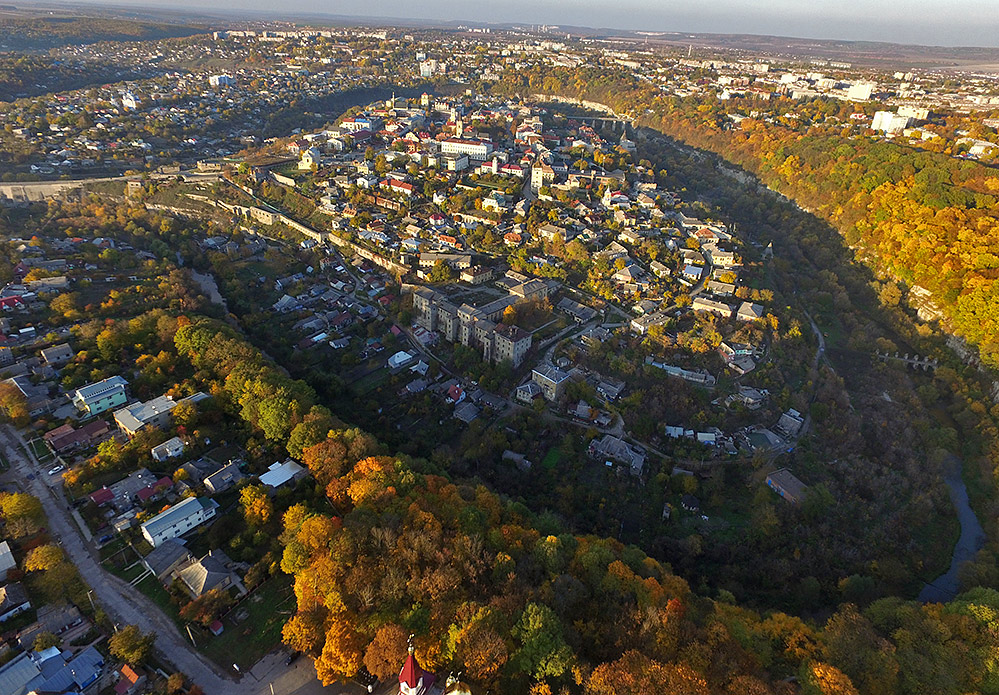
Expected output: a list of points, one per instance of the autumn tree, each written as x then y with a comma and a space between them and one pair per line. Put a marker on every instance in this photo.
387, 651
341, 656
21, 512
636, 674
130, 645
306, 630
44, 557
206, 608
257, 505
312, 430
482, 650
14, 403
823, 679
45, 640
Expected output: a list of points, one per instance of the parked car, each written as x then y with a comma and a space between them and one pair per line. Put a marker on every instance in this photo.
57, 469
292, 658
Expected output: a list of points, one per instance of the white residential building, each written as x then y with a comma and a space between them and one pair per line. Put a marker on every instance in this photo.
478, 150
179, 519
890, 123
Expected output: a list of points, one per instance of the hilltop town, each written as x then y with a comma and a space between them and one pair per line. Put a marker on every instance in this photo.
512, 359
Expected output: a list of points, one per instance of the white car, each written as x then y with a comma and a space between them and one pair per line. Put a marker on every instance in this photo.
57, 469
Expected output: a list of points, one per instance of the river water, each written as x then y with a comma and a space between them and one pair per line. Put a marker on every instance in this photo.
945, 587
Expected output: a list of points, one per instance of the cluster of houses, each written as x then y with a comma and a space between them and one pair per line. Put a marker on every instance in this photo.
51, 670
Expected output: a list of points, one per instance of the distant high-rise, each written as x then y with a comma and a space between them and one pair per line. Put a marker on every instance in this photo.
861, 91
890, 123
221, 81
129, 101
914, 112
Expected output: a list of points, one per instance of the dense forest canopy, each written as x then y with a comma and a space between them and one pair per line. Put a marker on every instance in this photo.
39, 33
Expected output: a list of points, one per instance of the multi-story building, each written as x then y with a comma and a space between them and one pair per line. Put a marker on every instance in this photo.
510, 343
479, 150
710, 305
103, 395
473, 326
156, 412
458, 261
860, 91
221, 81
476, 275
551, 379
888, 122
179, 519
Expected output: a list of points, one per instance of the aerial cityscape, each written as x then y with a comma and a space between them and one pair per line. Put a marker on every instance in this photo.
499, 353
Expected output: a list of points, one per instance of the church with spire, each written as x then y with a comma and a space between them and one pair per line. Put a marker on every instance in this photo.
413, 680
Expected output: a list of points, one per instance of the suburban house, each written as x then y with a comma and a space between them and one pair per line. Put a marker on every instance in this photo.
785, 484
165, 558
156, 413
6, 560
169, 449
13, 600
103, 395
65, 438
57, 355
279, 474
749, 312
223, 479
527, 392
49, 671
138, 487
790, 423
210, 572
179, 519
616, 449
130, 681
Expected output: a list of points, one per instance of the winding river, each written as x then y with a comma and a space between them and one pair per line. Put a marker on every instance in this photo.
972, 538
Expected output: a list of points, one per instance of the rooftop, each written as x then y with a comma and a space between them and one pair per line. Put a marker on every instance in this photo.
179, 511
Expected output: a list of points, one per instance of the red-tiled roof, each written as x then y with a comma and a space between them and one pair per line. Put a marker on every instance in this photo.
102, 496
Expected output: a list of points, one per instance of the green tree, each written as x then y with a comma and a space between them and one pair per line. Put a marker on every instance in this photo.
543, 651
45, 640
130, 645
440, 273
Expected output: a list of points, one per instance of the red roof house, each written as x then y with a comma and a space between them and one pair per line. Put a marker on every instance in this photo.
102, 496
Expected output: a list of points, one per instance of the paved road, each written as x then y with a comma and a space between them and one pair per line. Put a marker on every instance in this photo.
126, 605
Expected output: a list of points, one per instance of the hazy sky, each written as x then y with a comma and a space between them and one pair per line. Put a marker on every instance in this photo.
932, 22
